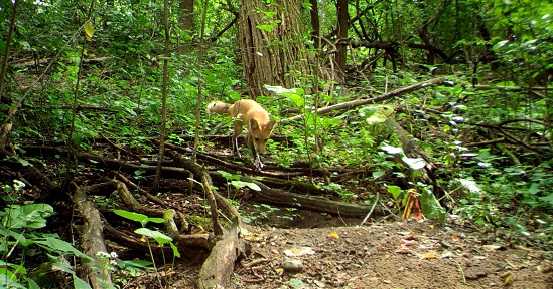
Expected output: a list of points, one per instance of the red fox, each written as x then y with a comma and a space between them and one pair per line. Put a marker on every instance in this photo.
256, 119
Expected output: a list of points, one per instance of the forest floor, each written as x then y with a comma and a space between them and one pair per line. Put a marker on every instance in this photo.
407, 254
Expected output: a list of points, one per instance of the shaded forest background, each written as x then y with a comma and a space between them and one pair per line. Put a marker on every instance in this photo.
439, 105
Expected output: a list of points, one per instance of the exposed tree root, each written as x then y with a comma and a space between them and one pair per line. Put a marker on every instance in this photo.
92, 241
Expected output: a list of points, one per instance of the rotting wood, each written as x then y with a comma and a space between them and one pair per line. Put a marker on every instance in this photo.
92, 241
184, 243
219, 266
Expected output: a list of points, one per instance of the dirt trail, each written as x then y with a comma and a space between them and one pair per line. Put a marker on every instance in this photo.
391, 255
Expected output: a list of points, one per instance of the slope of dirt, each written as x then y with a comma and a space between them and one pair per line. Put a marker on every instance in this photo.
392, 255
380, 255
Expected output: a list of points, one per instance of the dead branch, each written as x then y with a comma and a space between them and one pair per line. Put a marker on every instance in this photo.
267, 194
206, 184
143, 192
508, 88
132, 204
234, 167
45, 61
219, 266
92, 240
359, 102
184, 243
272, 196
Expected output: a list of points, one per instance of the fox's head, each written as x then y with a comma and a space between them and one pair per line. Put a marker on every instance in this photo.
260, 133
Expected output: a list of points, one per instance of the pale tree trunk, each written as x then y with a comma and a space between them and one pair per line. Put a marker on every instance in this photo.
273, 47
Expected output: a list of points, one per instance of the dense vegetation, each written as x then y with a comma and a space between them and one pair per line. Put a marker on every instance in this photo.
76, 74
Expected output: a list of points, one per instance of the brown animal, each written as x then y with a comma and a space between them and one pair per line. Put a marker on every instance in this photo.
256, 119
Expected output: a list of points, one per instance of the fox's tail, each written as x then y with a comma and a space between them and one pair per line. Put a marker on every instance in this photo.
218, 107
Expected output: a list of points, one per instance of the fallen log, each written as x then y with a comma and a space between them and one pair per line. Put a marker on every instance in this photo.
219, 266
272, 196
92, 241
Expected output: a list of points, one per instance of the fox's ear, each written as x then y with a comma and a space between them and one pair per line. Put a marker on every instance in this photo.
254, 124
270, 125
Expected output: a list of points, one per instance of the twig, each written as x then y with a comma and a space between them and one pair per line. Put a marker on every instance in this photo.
462, 273
256, 262
372, 209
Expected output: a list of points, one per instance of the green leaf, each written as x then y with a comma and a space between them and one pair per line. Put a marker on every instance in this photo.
63, 267
430, 206
56, 245
378, 174
135, 263
156, 220
32, 284
395, 191
18, 269
29, 216
548, 199
131, 215
242, 184
175, 249
80, 283
500, 44
156, 235
8, 280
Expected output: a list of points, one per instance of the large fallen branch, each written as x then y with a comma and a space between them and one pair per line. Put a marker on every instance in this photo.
359, 102
92, 241
272, 196
218, 267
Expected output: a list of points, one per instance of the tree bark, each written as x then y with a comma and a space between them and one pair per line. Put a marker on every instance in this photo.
315, 25
92, 240
272, 44
185, 16
342, 14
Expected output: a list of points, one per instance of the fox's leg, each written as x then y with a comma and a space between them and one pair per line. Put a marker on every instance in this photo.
237, 132
251, 145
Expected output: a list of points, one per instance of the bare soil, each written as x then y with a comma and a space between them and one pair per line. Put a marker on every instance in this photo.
408, 254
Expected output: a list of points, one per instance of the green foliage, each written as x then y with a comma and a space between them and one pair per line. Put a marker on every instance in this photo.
19, 234
159, 237
266, 214
237, 183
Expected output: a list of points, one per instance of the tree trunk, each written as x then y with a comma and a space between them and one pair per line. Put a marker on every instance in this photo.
273, 48
342, 14
315, 26
185, 15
